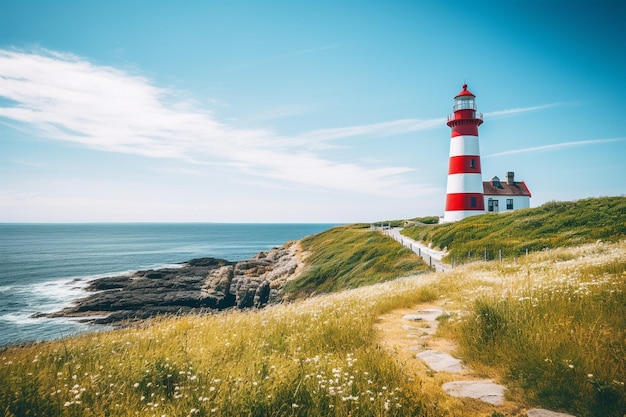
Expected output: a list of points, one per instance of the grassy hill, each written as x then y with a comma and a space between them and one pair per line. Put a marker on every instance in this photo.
551, 326
349, 257
554, 224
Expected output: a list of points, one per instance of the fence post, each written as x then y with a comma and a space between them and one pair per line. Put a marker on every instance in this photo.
526, 251
485, 254
500, 254
469, 256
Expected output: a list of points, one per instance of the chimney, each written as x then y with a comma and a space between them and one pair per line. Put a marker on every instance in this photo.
510, 178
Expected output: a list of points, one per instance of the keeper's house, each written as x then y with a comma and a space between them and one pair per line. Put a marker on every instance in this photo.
505, 195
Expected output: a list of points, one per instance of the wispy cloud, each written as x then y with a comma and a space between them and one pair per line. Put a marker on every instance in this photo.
64, 97
518, 110
556, 146
391, 128
397, 127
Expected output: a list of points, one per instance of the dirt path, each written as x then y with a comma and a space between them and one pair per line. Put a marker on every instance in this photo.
431, 256
411, 334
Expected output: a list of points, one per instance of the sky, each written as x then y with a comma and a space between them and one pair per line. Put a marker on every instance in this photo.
313, 111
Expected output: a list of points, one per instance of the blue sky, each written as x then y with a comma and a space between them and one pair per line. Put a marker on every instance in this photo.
281, 111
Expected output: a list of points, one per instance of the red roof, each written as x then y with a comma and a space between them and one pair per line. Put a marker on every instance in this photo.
465, 92
517, 188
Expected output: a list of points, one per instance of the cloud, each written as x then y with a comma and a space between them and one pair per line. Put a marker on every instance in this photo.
556, 146
512, 112
64, 97
395, 127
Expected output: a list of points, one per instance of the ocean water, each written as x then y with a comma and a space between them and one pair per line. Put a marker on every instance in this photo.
44, 267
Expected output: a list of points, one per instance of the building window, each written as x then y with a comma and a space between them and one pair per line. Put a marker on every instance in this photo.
473, 202
472, 163
509, 204
490, 205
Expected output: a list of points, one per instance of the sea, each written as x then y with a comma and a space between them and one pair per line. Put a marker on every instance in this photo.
45, 267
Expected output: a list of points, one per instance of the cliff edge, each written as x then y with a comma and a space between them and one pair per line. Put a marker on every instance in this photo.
205, 284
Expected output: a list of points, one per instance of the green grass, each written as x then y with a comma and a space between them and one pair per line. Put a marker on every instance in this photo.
349, 257
561, 342
426, 220
554, 224
316, 357
551, 326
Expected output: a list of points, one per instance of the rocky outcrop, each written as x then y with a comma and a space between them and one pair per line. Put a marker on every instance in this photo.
205, 284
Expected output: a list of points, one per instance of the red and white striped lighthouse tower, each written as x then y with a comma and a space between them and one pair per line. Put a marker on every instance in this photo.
464, 193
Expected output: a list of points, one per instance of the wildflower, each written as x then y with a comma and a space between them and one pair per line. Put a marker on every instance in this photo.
571, 366
136, 384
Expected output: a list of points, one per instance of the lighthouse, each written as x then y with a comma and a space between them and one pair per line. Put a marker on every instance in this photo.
464, 193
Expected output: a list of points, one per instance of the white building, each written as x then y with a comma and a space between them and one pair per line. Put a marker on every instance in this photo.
505, 196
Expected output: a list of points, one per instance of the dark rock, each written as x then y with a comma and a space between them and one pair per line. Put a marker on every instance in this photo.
262, 294
203, 284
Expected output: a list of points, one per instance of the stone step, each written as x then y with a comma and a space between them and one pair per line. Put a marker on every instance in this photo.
428, 314
438, 361
540, 412
484, 390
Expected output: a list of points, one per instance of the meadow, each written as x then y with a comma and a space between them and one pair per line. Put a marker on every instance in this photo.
315, 357
550, 326
552, 225
349, 257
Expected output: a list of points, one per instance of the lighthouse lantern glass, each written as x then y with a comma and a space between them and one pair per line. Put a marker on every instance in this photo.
465, 102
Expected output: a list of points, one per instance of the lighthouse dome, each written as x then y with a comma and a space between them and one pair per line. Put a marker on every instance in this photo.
465, 100
465, 92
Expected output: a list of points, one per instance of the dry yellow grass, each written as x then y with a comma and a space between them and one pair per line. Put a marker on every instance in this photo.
321, 356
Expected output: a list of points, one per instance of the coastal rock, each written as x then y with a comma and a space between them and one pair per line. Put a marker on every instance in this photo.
204, 284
